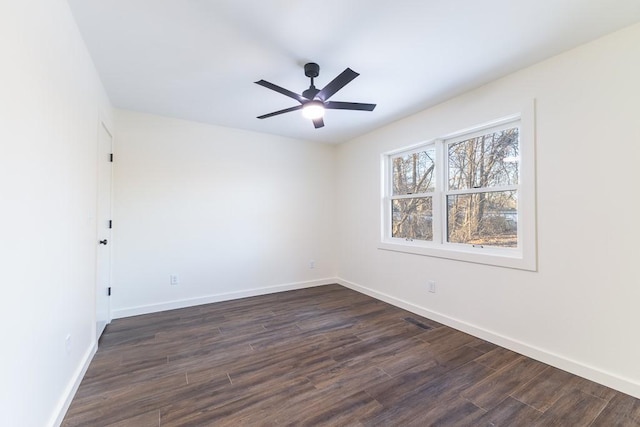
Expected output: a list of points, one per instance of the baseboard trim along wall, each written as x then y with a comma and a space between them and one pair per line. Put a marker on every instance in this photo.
589, 372
72, 387
190, 302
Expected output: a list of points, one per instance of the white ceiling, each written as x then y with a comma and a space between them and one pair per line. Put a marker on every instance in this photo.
198, 59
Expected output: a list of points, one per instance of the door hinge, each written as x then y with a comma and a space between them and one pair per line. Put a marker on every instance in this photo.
110, 224
109, 291
111, 157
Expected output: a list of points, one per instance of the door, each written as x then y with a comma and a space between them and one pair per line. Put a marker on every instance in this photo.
103, 264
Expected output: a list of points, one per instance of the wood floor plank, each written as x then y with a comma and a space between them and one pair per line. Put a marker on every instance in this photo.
573, 409
388, 327
326, 356
130, 401
484, 346
333, 409
543, 390
236, 403
498, 357
451, 341
598, 390
410, 397
373, 350
437, 334
149, 419
456, 412
345, 379
457, 356
488, 393
135, 382
415, 354
510, 412
391, 392
622, 411
280, 367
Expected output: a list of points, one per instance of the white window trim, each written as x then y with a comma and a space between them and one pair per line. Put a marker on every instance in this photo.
525, 256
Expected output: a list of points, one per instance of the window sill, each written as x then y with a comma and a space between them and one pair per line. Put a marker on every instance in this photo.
488, 256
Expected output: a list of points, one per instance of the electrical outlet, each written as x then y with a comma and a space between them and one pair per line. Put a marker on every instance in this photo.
432, 286
174, 279
312, 264
67, 343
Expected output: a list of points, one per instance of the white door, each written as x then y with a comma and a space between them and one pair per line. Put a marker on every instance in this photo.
103, 274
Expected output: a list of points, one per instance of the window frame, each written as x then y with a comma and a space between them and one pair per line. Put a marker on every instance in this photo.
524, 255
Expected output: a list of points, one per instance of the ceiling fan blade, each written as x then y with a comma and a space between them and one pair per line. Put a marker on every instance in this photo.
332, 105
281, 90
318, 123
275, 113
336, 84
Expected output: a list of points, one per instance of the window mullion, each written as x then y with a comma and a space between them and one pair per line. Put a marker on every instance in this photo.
439, 208
483, 190
411, 196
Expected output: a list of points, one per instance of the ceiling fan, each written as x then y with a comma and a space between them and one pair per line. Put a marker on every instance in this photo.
313, 102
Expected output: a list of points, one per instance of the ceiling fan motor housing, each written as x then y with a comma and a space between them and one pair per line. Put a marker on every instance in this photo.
310, 93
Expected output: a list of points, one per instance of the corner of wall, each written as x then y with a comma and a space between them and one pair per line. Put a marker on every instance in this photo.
72, 387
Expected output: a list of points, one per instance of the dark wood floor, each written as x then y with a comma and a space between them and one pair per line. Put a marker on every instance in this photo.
324, 356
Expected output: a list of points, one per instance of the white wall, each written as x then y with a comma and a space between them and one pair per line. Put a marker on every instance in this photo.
580, 309
232, 213
50, 104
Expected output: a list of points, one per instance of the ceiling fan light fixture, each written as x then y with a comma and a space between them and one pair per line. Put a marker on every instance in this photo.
313, 102
313, 110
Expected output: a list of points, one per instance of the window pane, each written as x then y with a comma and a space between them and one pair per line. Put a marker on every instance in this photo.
413, 173
412, 219
485, 161
489, 219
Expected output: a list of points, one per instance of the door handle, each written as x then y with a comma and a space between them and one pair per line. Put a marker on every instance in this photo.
103, 242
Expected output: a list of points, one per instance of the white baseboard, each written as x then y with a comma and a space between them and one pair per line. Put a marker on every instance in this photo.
72, 387
189, 302
589, 372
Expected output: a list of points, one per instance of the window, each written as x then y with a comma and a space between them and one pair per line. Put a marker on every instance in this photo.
482, 187
468, 196
413, 184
